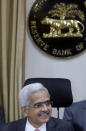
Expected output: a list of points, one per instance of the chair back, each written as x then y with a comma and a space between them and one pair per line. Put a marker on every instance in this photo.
59, 89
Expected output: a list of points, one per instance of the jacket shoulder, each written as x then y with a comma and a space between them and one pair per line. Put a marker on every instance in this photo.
62, 124
12, 126
77, 105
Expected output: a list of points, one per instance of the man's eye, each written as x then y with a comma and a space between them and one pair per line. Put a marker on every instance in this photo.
47, 103
37, 105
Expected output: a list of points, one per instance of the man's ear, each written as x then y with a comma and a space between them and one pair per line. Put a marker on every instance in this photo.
24, 112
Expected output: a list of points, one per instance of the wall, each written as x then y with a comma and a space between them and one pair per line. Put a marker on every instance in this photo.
39, 64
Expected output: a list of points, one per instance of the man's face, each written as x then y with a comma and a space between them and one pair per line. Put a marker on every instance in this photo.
40, 108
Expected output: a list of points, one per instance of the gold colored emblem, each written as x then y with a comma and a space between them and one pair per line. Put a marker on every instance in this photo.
74, 28
58, 27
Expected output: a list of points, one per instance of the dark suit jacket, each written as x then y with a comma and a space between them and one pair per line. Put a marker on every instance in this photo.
76, 113
1, 116
53, 124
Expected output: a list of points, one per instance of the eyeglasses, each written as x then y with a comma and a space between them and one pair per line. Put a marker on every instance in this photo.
40, 104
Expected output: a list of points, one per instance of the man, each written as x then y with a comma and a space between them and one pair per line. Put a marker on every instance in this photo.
1, 116
76, 114
37, 107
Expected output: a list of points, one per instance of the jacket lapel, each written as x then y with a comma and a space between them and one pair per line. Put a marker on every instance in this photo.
51, 125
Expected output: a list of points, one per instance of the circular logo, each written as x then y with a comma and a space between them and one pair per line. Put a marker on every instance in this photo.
58, 27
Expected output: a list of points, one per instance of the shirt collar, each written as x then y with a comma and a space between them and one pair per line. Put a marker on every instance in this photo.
32, 128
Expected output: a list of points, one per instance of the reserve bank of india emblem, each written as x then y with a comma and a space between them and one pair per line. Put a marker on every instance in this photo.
58, 27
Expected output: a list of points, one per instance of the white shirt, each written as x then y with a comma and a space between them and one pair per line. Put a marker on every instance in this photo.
29, 127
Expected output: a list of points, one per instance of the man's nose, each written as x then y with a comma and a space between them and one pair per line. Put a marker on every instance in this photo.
44, 107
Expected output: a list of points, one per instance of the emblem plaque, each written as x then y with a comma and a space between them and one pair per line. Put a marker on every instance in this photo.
58, 27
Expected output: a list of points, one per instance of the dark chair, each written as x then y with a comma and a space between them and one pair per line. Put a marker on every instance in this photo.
59, 89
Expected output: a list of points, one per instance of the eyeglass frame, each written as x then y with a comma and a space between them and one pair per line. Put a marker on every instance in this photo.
40, 104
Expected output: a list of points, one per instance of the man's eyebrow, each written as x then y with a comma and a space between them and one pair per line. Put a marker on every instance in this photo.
41, 102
